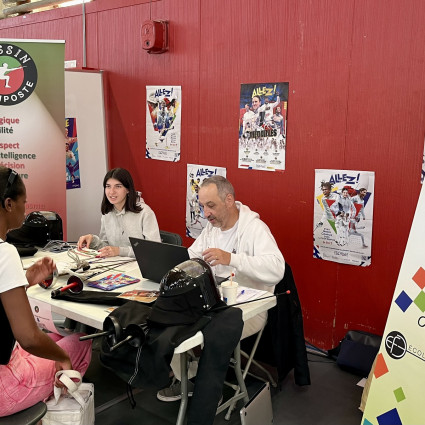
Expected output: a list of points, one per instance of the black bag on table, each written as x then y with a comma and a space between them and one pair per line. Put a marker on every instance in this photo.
38, 228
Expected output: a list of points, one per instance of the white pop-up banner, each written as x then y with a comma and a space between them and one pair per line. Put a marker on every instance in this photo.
396, 395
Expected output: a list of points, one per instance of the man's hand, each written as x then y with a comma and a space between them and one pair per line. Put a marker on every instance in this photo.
215, 256
40, 270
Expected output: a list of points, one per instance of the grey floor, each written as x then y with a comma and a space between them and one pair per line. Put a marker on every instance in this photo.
332, 399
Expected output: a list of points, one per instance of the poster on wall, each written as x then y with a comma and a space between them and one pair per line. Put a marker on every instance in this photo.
343, 216
396, 393
32, 119
71, 155
196, 174
163, 122
263, 109
423, 166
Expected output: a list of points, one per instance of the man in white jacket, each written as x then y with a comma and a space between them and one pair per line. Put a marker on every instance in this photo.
235, 240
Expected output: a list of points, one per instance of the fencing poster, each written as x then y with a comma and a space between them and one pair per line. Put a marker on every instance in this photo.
196, 174
423, 166
396, 395
72, 155
263, 111
343, 216
32, 119
163, 122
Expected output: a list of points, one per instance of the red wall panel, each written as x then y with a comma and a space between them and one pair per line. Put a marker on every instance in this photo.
356, 101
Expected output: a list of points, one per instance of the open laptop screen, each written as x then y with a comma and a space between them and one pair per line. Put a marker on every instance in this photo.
155, 259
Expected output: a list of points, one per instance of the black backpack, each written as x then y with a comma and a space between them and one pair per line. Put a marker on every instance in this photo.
39, 227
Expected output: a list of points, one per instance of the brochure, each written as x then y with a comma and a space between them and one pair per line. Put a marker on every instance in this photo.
140, 295
113, 281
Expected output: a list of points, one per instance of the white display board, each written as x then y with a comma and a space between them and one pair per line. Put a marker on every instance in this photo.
84, 101
396, 395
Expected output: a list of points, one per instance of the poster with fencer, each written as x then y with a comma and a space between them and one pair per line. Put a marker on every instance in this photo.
163, 122
72, 154
343, 216
196, 174
423, 166
263, 111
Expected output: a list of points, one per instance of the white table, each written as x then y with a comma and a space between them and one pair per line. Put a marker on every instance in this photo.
89, 314
94, 315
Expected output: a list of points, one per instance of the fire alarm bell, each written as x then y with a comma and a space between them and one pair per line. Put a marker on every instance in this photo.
155, 36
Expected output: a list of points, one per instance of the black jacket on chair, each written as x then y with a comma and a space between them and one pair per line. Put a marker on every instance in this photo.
282, 344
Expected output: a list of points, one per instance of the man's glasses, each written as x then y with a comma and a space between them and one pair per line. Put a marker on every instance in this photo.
12, 176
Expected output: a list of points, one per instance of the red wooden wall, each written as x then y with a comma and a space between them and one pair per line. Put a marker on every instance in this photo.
356, 101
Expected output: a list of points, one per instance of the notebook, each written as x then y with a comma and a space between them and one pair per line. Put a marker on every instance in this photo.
155, 259
258, 410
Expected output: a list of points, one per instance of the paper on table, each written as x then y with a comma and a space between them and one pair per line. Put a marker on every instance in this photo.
247, 294
140, 295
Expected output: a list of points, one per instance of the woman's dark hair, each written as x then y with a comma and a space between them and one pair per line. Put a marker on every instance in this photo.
124, 177
11, 185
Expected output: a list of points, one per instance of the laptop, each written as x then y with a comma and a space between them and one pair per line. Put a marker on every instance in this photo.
258, 410
155, 259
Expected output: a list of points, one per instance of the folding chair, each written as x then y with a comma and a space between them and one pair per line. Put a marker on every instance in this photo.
251, 360
241, 391
231, 403
282, 343
239, 388
171, 238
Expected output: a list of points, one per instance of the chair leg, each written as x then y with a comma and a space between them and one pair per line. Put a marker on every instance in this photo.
251, 356
241, 392
184, 378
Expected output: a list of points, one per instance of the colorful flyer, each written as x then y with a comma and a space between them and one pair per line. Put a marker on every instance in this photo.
113, 281
163, 122
71, 155
196, 174
343, 216
263, 110
140, 295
